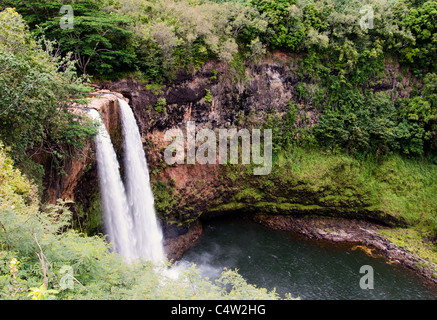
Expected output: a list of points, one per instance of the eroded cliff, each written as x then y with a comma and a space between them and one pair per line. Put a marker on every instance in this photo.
216, 97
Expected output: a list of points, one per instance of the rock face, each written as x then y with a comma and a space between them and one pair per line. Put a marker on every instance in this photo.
176, 246
106, 102
59, 186
64, 185
214, 97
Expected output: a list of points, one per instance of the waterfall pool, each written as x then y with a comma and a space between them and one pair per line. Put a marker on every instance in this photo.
304, 268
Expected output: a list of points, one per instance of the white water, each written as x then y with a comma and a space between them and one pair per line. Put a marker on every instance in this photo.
118, 222
129, 213
147, 234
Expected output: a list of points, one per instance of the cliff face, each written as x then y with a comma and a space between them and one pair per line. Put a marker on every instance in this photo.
214, 97
79, 182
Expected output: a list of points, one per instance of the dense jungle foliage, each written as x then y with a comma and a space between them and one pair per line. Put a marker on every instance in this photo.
343, 58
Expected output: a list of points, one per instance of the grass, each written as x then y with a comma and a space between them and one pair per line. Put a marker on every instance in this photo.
407, 189
392, 187
400, 187
416, 240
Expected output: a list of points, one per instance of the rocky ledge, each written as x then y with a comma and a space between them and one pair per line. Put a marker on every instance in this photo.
351, 231
176, 246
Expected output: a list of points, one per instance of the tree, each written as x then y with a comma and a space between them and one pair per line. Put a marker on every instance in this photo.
36, 91
422, 22
99, 40
359, 124
409, 138
284, 30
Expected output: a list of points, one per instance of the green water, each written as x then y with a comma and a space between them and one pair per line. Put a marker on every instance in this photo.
304, 268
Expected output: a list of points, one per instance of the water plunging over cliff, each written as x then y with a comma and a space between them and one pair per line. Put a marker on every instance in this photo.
118, 222
129, 214
147, 234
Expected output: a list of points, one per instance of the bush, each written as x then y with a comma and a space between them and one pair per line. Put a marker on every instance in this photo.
358, 124
421, 20
283, 30
160, 105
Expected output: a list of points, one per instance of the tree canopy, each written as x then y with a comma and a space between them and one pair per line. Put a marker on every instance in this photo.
341, 60
37, 87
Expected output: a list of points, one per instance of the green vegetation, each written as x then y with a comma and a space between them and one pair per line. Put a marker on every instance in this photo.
98, 42
372, 124
341, 64
36, 89
394, 189
164, 197
160, 105
208, 97
416, 240
284, 29
89, 222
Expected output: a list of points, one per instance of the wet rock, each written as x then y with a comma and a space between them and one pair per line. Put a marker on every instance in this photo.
175, 247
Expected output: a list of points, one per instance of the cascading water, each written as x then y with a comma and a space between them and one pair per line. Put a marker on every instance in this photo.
118, 221
147, 234
129, 213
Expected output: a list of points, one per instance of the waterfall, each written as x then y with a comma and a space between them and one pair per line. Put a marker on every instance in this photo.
118, 222
129, 213
146, 230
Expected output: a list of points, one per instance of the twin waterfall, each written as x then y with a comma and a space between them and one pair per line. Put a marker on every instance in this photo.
129, 213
